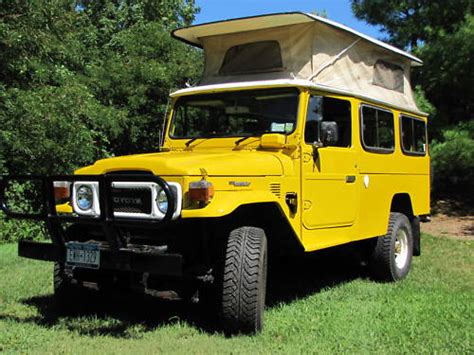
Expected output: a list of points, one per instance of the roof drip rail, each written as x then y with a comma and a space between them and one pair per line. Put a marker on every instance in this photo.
334, 60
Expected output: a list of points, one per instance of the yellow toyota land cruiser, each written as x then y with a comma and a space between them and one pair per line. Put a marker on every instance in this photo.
302, 134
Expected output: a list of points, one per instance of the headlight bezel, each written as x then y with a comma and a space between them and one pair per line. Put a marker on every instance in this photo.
94, 209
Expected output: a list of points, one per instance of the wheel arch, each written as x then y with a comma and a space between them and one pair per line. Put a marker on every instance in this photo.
268, 216
402, 203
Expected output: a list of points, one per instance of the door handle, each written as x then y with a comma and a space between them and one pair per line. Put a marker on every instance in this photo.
350, 179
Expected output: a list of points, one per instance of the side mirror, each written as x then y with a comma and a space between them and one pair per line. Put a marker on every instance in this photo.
329, 133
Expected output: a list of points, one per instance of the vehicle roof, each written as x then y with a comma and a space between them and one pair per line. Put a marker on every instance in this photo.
193, 34
215, 88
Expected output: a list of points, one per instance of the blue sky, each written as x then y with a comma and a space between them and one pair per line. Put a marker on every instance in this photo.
337, 10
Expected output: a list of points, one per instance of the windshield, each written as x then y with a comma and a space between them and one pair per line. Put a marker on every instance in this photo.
234, 114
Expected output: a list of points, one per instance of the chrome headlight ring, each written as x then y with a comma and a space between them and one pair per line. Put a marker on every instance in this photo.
85, 198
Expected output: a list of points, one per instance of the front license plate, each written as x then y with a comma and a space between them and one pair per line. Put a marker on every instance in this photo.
86, 255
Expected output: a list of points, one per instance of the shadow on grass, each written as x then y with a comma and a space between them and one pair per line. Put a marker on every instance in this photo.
127, 315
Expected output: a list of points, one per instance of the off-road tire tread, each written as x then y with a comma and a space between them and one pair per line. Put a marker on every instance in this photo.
381, 264
244, 280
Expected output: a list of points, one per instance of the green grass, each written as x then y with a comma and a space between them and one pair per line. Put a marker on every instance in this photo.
319, 305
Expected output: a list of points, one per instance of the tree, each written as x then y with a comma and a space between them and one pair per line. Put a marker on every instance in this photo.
81, 80
441, 33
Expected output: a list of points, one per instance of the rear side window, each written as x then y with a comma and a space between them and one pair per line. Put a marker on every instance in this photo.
413, 133
377, 129
388, 75
255, 57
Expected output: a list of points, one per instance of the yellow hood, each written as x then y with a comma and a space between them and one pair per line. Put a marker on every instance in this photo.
235, 163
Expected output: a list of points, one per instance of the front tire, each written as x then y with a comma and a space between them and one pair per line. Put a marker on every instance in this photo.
67, 296
244, 281
392, 256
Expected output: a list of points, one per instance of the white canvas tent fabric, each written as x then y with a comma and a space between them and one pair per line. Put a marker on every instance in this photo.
312, 48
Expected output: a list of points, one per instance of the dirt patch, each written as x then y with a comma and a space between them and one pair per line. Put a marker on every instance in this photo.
449, 226
451, 218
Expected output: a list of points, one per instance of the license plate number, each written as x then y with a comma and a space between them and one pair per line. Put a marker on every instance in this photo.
85, 255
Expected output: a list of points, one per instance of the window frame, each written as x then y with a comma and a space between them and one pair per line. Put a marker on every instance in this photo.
292, 88
312, 93
407, 152
369, 148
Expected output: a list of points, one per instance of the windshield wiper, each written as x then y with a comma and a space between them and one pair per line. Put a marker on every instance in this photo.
190, 141
204, 136
240, 140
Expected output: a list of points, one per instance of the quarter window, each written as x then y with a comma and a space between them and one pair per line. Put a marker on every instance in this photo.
413, 132
377, 129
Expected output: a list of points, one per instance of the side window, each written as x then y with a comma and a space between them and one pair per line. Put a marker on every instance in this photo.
413, 138
377, 129
388, 75
332, 110
255, 57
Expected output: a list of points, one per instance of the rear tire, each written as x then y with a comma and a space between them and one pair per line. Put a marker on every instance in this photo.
392, 256
244, 281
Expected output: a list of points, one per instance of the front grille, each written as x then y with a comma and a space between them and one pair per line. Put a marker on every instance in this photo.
131, 200
275, 188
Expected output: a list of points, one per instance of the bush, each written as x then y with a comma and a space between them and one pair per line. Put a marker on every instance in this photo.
453, 162
21, 198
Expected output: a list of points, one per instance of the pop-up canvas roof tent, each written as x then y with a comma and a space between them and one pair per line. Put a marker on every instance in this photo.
303, 46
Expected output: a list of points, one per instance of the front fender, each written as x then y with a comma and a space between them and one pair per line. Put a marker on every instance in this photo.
225, 202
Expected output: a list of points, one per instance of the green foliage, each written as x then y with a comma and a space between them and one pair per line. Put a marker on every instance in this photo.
83, 80
138, 72
453, 161
21, 198
422, 102
55, 129
447, 75
410, 23
441, 33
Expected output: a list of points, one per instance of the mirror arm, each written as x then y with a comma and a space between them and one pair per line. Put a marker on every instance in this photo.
316, 146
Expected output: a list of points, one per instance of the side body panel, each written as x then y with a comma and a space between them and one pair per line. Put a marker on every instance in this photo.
337, 212
386, 175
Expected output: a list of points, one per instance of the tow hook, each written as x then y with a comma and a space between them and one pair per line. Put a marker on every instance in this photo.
207, 278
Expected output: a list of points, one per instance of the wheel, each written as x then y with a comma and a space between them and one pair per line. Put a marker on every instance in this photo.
244, 281
392, 255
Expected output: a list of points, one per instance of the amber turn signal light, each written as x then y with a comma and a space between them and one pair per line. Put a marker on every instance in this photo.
62, 191
201, 191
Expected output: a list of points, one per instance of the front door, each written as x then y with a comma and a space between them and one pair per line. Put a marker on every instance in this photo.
329, 173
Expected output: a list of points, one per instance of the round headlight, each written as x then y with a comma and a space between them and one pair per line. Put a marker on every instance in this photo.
84, 198
162, 201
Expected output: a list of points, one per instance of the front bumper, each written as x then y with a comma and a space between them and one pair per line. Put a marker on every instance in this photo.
115, 252
153, 262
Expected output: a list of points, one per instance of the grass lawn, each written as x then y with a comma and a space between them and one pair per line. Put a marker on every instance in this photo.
321, 304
